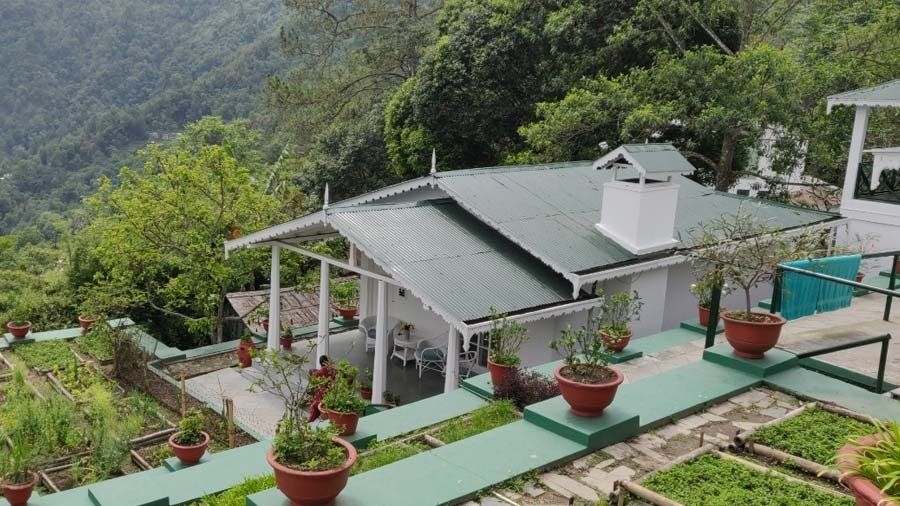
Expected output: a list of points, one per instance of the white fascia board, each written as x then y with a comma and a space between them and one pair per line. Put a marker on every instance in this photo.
276, 232
860, 103
538, 314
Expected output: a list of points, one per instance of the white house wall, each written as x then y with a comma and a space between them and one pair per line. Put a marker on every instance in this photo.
878, 236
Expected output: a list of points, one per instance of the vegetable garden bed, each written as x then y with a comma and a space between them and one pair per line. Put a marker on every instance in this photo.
46, 356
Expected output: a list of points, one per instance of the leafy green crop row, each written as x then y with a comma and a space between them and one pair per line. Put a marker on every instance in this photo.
815, 434
46, 355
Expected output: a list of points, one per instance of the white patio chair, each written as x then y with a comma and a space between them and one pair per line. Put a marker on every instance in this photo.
468, 359
430, 357
367, 326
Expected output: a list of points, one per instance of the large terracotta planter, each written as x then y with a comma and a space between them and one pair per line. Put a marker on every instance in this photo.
243, 353
309, 488
865, 492
19, 330
345, 422
499, 372
616, 344
87, 322
347, 313
587, 399
753, 339
189, 454
19, 493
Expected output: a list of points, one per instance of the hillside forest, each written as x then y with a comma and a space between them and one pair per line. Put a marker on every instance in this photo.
136, 136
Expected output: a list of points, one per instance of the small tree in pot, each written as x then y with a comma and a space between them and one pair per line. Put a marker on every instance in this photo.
585, 379
619, 309
18, 477
870, 467
747, 251
190, 442
343, 405
506, 338
311, 463
346, 298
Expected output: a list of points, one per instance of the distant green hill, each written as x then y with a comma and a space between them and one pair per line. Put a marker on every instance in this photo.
86, 82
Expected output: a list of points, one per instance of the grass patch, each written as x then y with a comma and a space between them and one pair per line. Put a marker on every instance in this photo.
485, 418
815, 434
97, 343
382, 454
237, 495
46, 355
711, 481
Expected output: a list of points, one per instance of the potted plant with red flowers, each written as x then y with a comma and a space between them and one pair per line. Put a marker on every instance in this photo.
585, 379
619, 309
190, 442
345, 296
18, 328
506, 338
245, 351
342, 405
310, 462
747, 251
870, 467
18, 478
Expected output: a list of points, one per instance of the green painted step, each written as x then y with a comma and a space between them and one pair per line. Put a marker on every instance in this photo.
409, 417
694, 326
53, 335
809, 384
774, 361
613, 426
664, 340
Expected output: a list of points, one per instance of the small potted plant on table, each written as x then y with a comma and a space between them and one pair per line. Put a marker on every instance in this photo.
869, 467
343, 405
619, 310
346, 298
18, 479
585, 379
506, 338
18, 328
747, 252
190, 442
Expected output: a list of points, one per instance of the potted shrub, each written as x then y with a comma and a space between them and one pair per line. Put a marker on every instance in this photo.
342, 405
310, 462
287, 338
18, 329
345, 296
506, 338
702, 289
245, 351
18, 479
585, 379
747, 251
870, 467
619, 310
365, 385
190, 442
87, 321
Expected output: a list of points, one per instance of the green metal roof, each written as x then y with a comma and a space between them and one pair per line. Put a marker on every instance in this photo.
450, 259
882, 95
655, 158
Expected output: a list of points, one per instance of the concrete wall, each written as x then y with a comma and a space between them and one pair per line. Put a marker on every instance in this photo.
877, 237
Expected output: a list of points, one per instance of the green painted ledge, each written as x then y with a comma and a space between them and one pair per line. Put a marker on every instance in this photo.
774, 361
6, 341
420, 414
694, 326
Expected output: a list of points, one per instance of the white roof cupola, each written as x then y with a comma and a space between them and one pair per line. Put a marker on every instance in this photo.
638, 211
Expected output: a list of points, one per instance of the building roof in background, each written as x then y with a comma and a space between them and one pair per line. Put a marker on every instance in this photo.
882, 95
298, 309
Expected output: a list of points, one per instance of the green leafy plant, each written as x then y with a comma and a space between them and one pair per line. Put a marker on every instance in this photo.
506, 338
237, 495
343, 397
880, 462
300, 445
190, 428
17, 462
706, 281
346, 371
382, 454
619, 309
483, 419
78, 379
99, 342
365, 379
46, 355
815, 434
109, 434
586, 356
345, 293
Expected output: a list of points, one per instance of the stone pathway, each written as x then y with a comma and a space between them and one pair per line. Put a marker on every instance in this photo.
590, 479
257, 412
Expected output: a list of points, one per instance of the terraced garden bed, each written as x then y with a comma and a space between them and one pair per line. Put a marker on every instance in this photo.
46, 356
201, 365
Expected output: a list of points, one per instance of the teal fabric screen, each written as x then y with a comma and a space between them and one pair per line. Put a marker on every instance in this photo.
804, 295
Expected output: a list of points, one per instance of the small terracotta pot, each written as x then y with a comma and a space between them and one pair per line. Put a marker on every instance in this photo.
345, 422
87, 322
616, 344
753, 339
366, 393
243, 353
703, 316
310, 488
865, 492
587, 399
18, 331
286, 342
189, 454
17, 494
347, 313
499, 373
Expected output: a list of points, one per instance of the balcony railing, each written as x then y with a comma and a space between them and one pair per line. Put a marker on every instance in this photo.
888, 189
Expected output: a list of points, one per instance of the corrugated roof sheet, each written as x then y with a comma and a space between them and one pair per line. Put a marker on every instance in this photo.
449, 257
659, 158
551, 212
885, 94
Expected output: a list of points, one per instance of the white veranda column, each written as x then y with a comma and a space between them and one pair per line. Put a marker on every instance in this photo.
323, 340
274, 300
451, 376
857, 139
379, 368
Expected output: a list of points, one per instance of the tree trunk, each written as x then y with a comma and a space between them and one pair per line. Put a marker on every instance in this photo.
725, 170
220, 318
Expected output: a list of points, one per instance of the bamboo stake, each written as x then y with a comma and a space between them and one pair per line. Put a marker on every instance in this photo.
150, 438
645, 494
229, 421
140, 461
741, 439
786, 458
47, 481
838, 410
769, 470
183, 396
693, 454
59, 387
433, 441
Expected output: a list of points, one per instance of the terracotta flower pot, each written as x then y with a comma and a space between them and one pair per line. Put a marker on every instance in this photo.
87, 322
243, 353
366, 393
286, 342
752, 339
189, 454
17, 494
703, 316
615, 343
499, 372
345, 422
18, 330
347, 313
586, 399
309, 488
865, 492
